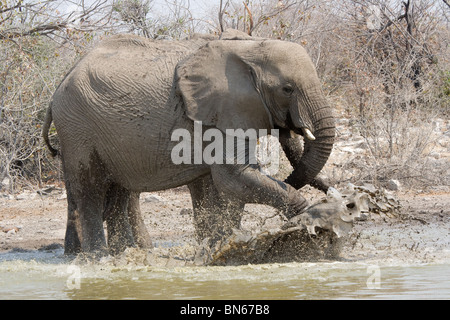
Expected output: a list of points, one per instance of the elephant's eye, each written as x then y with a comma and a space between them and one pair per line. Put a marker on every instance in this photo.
288, 90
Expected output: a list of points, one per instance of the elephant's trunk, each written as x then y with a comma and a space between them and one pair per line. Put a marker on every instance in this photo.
317, 148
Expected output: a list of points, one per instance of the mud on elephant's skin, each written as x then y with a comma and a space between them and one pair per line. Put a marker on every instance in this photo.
116, 110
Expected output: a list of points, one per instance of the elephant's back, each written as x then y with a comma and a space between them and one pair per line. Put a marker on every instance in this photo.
124, 74
129, 63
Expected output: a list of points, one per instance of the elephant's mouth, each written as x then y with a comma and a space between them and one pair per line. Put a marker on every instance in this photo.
303, 131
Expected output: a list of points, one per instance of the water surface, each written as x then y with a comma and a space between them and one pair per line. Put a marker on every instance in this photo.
49, 275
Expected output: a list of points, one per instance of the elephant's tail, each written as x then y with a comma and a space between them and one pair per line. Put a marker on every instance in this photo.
46, 128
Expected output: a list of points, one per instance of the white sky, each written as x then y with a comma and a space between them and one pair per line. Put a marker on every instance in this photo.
198, 8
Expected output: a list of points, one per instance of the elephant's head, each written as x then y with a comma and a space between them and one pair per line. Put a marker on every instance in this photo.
262, 84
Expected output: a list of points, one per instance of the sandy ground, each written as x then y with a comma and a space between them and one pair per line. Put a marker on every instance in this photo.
419, 234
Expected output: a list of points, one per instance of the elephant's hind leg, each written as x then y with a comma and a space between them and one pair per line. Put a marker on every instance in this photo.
72, 244
125, 225
86, 185
119, 231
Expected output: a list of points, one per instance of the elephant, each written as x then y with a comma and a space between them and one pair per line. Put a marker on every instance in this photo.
117, 109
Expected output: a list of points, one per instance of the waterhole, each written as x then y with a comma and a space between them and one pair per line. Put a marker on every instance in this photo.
50, 275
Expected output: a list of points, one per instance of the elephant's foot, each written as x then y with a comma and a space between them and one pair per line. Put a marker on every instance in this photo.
120, 235
118, 243
72, 244
125, 225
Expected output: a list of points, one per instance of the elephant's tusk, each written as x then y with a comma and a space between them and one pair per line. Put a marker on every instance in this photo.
308, 134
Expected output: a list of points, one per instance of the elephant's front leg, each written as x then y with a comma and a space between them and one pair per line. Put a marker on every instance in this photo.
214, 215
247, 184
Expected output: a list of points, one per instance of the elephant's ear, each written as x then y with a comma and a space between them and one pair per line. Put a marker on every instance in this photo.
219, 89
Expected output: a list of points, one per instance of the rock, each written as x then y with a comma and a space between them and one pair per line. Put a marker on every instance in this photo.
435, 155
444, 141
6, 182
47, 190
51, 247
393, 185
153, 198
63, 196
443, 189
7, 196
13, 230
186, 211
26, 195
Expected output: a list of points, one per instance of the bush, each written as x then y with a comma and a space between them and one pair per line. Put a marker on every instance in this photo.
31, 71
385, 62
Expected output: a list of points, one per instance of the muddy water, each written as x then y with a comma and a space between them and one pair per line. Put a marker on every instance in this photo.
48, 275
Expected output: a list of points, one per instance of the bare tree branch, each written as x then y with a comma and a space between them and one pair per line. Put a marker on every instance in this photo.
221, 10
43, 29
91, 18
17, 6
275, 13
250, 29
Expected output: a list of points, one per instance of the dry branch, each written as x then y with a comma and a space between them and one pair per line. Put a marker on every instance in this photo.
250, 28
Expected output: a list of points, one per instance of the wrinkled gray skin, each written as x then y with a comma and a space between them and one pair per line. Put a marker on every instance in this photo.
116, 110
